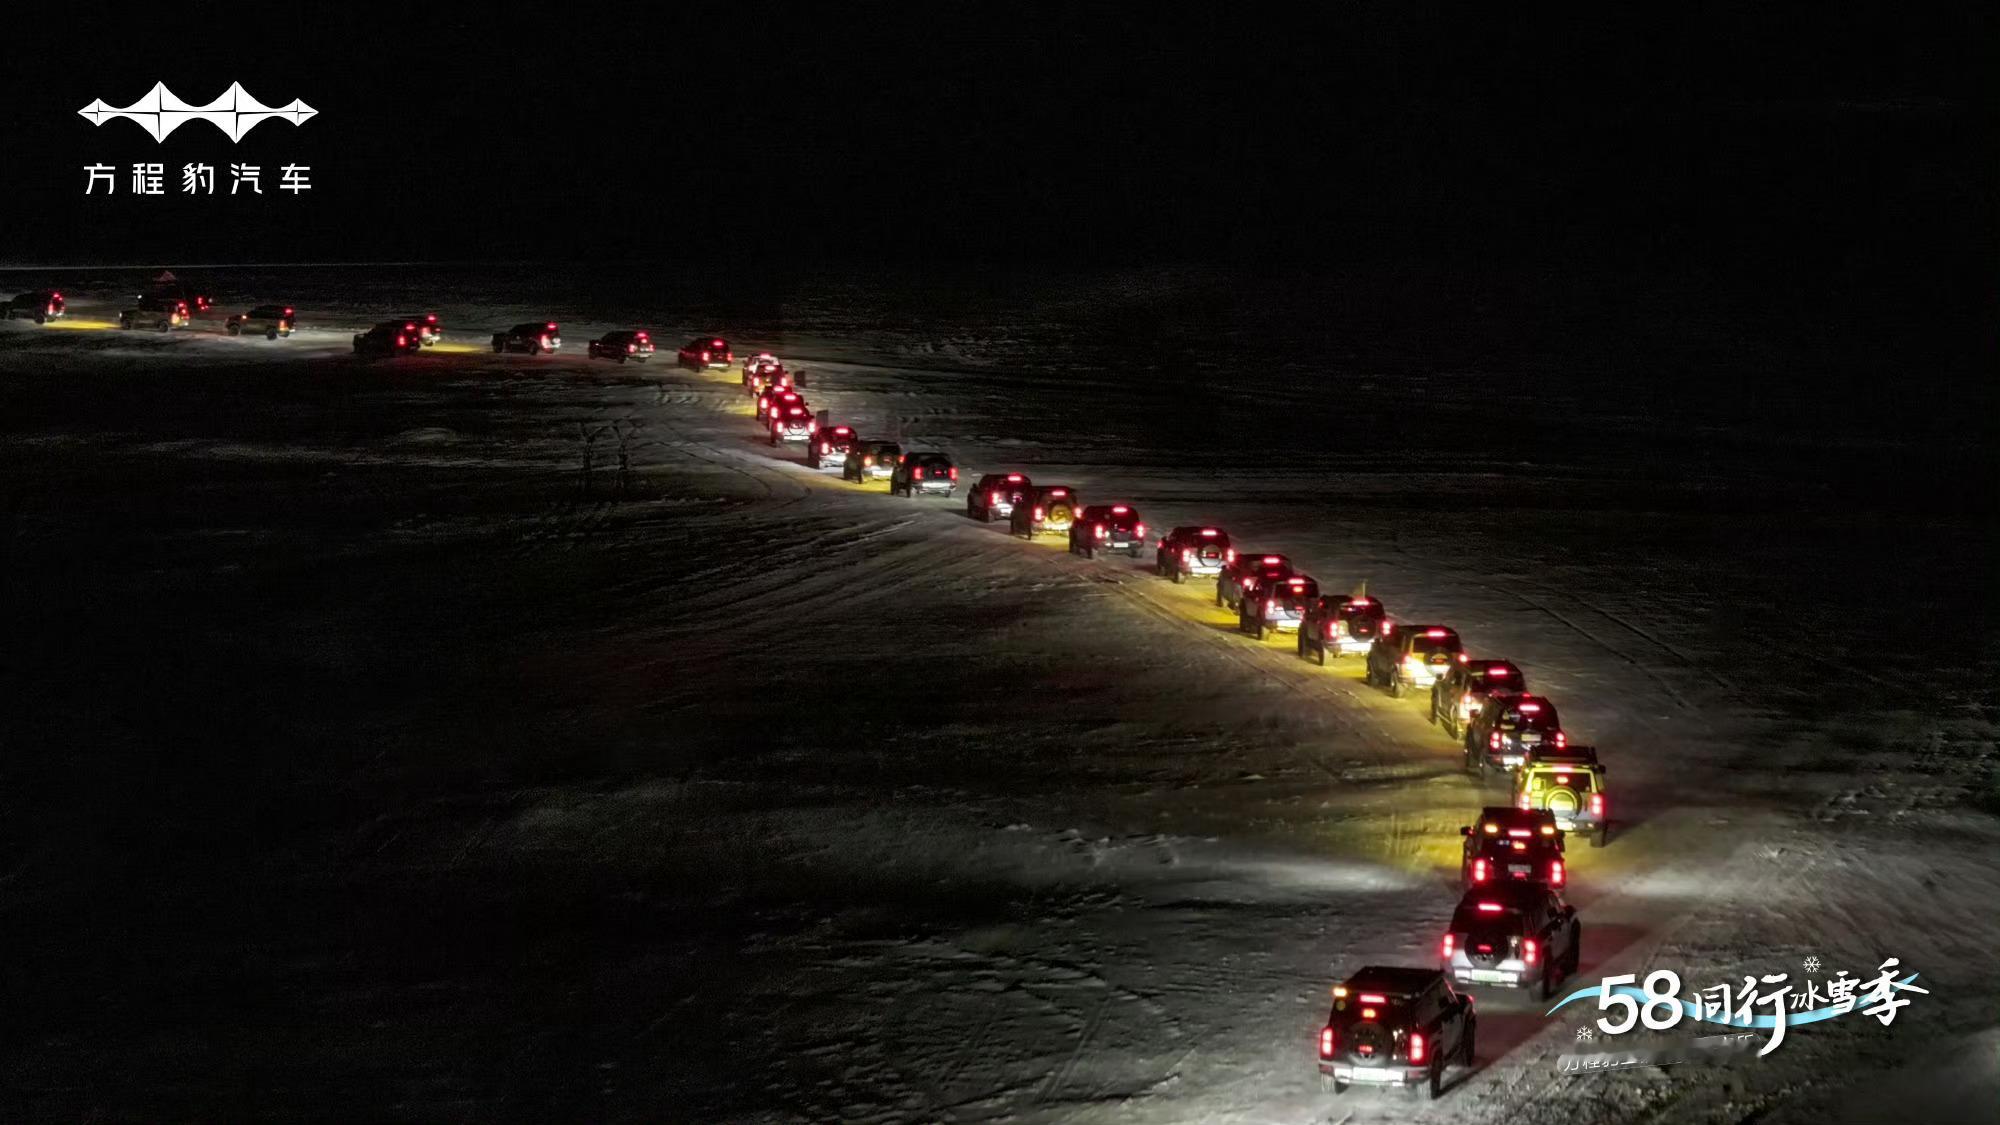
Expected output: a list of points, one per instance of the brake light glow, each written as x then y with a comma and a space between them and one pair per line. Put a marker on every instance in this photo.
1493, 741
631, 347
545, 340
1229, 555
552, 324
1555, 873
1444, 947
1139, 531
1272, 560
1360, 602
1038, 513
1530, 708
704, 357
288, 312
917, 473
1489, 908
1326, 1042
715, 343
1298, 583
1367, 1013
1597, 804
1419, 1050
868, 460
1562, 779
1208, 533
1561, 739
1187, 554
954, 472
1270, 606
1119, 509
993, 497
400, 341
1479, 870
1530, 951
1519, 833
1103, 532
1013, 478
1372, 998
1434, 632
1548, 829
1522, 802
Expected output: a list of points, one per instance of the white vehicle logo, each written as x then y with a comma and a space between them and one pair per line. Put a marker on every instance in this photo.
161, 111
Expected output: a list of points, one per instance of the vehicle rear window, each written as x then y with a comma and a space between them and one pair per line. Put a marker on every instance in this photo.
1468, 919
1429, 645
1582, 781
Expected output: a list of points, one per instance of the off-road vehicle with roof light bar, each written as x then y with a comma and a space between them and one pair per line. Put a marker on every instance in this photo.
162, 314
1569, 784
1507, 844
1200, 552
828, 449
533, 337
870, 460
1513, 935
704, 352
792, 423
1048, 507
1107, 527
1338, 624
38, 305
1509, 726
924, 473
389, 338
621, 346
1278, 606
1242, 575
1458, 694
1405, 658
268, 321
775, 397
1396, 1027
996, 494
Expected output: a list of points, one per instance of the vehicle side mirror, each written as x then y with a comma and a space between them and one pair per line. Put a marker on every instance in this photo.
1465, 830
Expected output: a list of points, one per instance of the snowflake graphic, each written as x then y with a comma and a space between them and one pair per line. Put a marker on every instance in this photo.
1812, 964
1583, 1035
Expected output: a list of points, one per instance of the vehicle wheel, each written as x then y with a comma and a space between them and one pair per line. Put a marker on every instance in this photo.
1340, 1087
41, 318
621, 357
1437, 1079
1319, 655
234, 330
1179, 576
1395, 686
1602, 836
498, 347
1548, 981
1090, 552
534, 347
1432, 714
1260, 629
1218, 593
1573, 960
985, 515
271, 335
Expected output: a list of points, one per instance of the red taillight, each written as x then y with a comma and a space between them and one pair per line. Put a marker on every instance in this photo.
1479, 870
1519, 833
1597, 804
1270, 606
545, 341
993, 497
1272, 560
1530, 708
954, 472
1326, 1042
1103, 532
1419, 1050
1372, 998
1187, 554
917, 474
1494, 740
1038, 513
631, 347
552, 324
1490, 908
715, 344
812, 427
1444, 947
1434, 632
870, 460
1556, 873
1562, 739
1139, 532
1530, 952
1013, 478
1522, 802
1208, 533
704, 357
728, 356
401, 341
1229, 554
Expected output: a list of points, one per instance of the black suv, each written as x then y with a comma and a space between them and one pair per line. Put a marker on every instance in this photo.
924, 474
1394, 1026
40, 306
1457, 695
1107, 527
1515, 935
389, 338
1414, 656
429, 331
705, 352
1049, 507
870, 460
1508, 727
621, 346
1202, 551
996, 494
1244, 573
1339, 624
1278, 606
268, 321
163, 314
533, 337
1508, 844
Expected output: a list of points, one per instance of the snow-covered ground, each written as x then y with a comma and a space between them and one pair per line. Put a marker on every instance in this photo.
370, 759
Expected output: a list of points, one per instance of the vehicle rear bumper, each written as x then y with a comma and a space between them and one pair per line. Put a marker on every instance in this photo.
1373, 1075
1579, 822
1506, 974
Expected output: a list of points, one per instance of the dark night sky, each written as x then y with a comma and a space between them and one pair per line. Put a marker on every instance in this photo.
704, 133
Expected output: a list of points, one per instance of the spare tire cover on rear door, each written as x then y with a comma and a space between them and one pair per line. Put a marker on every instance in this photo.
1372, 1042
